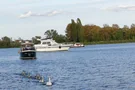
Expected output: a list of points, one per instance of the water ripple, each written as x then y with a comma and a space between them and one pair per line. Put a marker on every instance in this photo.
94, 67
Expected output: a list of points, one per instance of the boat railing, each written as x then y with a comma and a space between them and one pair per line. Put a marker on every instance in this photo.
28, 48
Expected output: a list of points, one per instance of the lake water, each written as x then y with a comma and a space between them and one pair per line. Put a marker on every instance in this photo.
94, 67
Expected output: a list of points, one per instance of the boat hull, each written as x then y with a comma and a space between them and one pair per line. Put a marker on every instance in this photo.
51, 49
77, 45
28, 55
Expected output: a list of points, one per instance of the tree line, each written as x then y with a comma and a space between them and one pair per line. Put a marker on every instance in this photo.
76, 32
6, 42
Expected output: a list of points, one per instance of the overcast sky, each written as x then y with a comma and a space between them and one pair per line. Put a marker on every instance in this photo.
29, 18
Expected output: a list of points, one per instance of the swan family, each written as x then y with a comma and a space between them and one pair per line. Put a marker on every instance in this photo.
37, 77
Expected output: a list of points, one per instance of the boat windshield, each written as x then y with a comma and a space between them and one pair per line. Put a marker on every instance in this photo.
27, 47
46, 43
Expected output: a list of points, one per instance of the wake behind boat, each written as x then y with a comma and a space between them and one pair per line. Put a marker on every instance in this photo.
49, 44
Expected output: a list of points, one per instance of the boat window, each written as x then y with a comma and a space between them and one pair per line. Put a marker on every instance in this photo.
48, 42
44, 43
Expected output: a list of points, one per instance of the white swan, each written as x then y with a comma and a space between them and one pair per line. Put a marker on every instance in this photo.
49, 83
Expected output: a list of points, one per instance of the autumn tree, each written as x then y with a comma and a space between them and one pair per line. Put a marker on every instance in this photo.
69, 32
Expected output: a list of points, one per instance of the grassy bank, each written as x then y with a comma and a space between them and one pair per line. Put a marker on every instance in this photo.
109, 42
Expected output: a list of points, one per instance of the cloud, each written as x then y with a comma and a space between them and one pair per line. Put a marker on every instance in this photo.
28, 14
121, 8
53, 13
47, 14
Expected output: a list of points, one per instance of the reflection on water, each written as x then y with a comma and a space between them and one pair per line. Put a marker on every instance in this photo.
94, 67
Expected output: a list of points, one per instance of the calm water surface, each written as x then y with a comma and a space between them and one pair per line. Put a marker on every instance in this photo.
94, 67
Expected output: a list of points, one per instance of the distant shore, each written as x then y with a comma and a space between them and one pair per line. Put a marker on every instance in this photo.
109, 42
96, 42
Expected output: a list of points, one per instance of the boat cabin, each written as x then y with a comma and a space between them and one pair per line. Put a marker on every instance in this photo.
27, 46
48, 42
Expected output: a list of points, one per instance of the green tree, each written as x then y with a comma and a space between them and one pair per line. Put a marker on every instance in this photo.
51, 34
74, 31
80, 31
6, 41
35, 39
60, 38
132, 32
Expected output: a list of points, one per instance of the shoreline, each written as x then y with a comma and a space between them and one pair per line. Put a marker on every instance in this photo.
109, 42
96, 42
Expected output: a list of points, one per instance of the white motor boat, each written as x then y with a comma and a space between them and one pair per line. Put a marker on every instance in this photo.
48, 44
